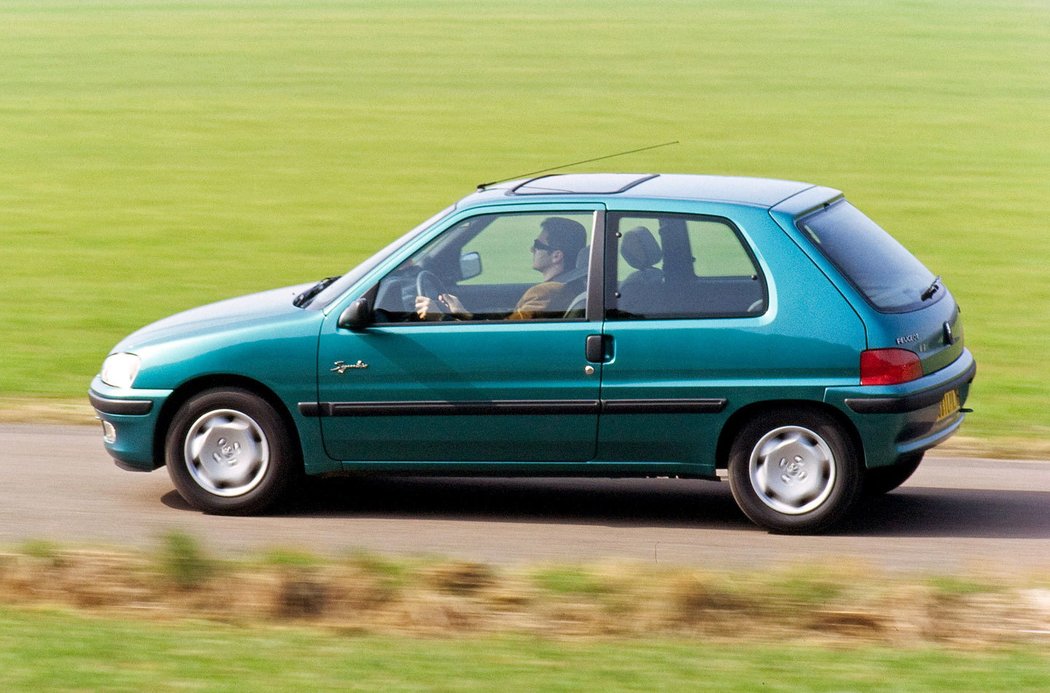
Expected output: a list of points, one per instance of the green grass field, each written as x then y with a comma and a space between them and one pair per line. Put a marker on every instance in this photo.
60, 651
156, 155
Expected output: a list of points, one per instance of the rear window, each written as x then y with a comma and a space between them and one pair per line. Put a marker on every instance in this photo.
882, 269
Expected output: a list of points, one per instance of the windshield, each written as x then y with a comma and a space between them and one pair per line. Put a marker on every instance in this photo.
883, 270
338, 287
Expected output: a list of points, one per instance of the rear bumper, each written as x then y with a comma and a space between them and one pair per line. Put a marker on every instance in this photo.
129, 419
903, 404
899, 420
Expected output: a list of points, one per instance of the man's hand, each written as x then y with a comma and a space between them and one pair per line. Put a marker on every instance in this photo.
429, 309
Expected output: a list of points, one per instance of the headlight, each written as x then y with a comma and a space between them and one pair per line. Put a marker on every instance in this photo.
119, 370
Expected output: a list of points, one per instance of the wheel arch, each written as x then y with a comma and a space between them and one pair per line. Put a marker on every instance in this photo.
191, 388
740, 418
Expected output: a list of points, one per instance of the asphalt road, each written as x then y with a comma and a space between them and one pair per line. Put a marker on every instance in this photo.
57, 483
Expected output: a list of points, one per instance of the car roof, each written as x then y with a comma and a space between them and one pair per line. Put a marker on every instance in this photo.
759, 192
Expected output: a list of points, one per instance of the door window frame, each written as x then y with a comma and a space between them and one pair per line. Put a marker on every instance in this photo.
611, 280
594, 288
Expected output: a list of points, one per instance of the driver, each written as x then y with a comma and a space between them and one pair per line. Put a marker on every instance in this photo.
553, 256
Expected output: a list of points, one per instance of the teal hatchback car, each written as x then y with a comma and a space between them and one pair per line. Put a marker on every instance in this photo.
599, 325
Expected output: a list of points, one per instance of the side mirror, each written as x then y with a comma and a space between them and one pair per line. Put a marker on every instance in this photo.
469, 265
357, 316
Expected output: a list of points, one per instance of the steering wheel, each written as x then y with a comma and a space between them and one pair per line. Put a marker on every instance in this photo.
428, 284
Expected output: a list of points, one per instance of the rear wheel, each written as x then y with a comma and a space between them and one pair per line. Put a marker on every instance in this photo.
228, 451
882, 480
794, 472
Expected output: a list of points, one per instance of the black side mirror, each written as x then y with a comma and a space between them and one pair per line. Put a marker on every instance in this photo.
357, 316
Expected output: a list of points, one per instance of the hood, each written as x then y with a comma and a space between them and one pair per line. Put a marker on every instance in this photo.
231, 314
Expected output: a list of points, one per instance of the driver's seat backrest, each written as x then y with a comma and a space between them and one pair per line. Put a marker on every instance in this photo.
577, 279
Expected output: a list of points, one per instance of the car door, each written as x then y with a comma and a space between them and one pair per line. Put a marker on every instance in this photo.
695, 331
481, 383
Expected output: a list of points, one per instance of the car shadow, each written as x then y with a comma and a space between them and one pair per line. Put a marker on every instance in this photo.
673, 503
614, 502
961, 513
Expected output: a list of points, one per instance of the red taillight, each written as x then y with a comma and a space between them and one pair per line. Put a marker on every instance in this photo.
889, 366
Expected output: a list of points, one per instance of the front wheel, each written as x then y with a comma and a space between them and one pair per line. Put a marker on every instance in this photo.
228, 452
794, 472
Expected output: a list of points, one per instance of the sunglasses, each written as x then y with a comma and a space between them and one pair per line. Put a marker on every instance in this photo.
540, 245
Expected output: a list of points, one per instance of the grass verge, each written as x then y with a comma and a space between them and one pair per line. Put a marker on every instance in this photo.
368, 594
176, 617
51, 649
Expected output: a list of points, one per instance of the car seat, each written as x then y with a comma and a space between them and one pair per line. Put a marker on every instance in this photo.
642, 290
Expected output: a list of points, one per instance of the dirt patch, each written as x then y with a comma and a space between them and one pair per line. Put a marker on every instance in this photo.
841, 604
998, 448
39, 410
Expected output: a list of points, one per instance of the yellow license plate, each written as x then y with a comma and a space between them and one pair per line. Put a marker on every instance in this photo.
949, 404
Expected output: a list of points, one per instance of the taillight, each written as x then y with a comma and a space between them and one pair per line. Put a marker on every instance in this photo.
889, 366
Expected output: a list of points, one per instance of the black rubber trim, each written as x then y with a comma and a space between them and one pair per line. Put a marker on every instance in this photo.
313, 409
909, 403
663, 406
444, 408
121, 407
512, 407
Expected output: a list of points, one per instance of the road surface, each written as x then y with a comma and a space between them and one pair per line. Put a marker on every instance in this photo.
57, 484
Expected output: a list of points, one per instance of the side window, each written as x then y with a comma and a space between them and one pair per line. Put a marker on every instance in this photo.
679, 266
494, 267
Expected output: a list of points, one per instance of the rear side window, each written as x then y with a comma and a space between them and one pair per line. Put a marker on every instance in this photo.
883, 270
680, 266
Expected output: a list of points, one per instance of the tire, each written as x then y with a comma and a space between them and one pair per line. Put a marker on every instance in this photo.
228, 452
794, 472
882, 480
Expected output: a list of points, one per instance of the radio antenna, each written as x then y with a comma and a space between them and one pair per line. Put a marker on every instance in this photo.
482, 186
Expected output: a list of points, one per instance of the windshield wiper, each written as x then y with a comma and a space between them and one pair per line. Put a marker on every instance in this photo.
304, 298
931, 289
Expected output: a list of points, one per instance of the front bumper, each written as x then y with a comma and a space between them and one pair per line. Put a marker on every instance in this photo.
899, 420
129, 419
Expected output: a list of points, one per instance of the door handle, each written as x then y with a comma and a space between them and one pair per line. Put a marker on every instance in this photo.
594, 351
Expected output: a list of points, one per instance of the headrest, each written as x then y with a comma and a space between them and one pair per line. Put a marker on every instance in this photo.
639, 248
583, 258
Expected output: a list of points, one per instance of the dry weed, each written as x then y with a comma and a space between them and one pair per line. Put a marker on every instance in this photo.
372, 594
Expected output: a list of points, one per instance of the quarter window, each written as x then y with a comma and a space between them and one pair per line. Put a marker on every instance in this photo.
677, 266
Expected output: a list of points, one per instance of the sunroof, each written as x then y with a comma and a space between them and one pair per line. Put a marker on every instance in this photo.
582, 183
